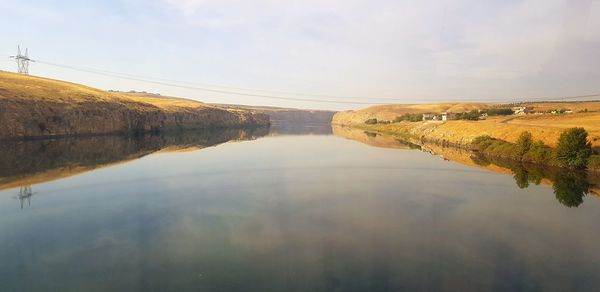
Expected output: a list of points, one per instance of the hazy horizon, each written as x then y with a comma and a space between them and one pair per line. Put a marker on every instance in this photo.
343, 51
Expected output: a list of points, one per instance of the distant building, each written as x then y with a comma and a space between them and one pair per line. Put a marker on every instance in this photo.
520, 110
446, 116
428, 116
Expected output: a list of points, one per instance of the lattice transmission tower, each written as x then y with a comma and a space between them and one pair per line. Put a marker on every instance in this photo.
22, 61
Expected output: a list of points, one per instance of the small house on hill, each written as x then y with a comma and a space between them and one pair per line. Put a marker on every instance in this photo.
446, 116
520, 110
428, 117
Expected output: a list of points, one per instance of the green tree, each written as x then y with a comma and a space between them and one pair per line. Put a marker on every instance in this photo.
573, 148
538, 152
524, 143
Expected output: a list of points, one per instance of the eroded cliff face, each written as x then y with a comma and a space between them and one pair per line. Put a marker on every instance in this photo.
38, 107
28, 118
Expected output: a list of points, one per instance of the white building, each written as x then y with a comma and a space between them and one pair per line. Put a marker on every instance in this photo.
519, 110
448, 116
428, 116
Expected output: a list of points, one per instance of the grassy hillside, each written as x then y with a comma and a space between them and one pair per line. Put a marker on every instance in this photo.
36, 107
391, 111
543, 127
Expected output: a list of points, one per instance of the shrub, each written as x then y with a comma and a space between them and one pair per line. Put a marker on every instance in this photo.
594, 162
573, 148
495, 147
409, 117
498, 111
538, 153
503, 149
371, 121
482, 142
472, 115
524, 143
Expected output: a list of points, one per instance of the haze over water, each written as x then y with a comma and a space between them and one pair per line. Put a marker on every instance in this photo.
303, 212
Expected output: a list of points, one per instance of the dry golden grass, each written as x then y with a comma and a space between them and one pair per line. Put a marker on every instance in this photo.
18, 86
463, 132
391, 111
574, 106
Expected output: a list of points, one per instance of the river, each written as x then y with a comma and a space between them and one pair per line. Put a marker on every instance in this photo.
291, 209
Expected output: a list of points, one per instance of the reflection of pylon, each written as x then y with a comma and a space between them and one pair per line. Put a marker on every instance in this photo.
22, 61
25, 193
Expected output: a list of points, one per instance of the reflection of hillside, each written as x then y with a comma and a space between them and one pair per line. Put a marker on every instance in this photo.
372, 139
285, 128
569, 186
31, 162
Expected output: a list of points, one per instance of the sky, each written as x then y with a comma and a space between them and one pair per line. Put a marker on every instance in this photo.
319, 54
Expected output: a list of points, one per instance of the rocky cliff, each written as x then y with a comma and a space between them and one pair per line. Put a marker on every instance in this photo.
39, 107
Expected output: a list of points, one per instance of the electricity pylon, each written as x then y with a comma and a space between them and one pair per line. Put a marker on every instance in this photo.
22, 61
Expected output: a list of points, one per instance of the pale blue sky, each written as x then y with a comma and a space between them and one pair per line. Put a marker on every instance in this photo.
412, 51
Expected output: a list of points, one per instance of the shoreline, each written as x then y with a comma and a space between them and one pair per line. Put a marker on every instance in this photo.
424, 140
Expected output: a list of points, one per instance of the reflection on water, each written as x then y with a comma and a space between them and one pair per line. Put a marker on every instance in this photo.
289, 213
570, 186
283, 128
31, 162
24, 195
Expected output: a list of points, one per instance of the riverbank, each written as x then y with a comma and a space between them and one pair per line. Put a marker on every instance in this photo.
579, 183
501, 131
541, 154
544, 127
34, 107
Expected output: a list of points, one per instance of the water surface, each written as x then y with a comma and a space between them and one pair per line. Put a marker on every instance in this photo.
303, 212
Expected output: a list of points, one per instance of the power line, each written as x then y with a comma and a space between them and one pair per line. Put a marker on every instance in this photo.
226, 87
178, 82
199, 87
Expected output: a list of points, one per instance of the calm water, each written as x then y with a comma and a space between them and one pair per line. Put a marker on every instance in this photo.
277, 212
